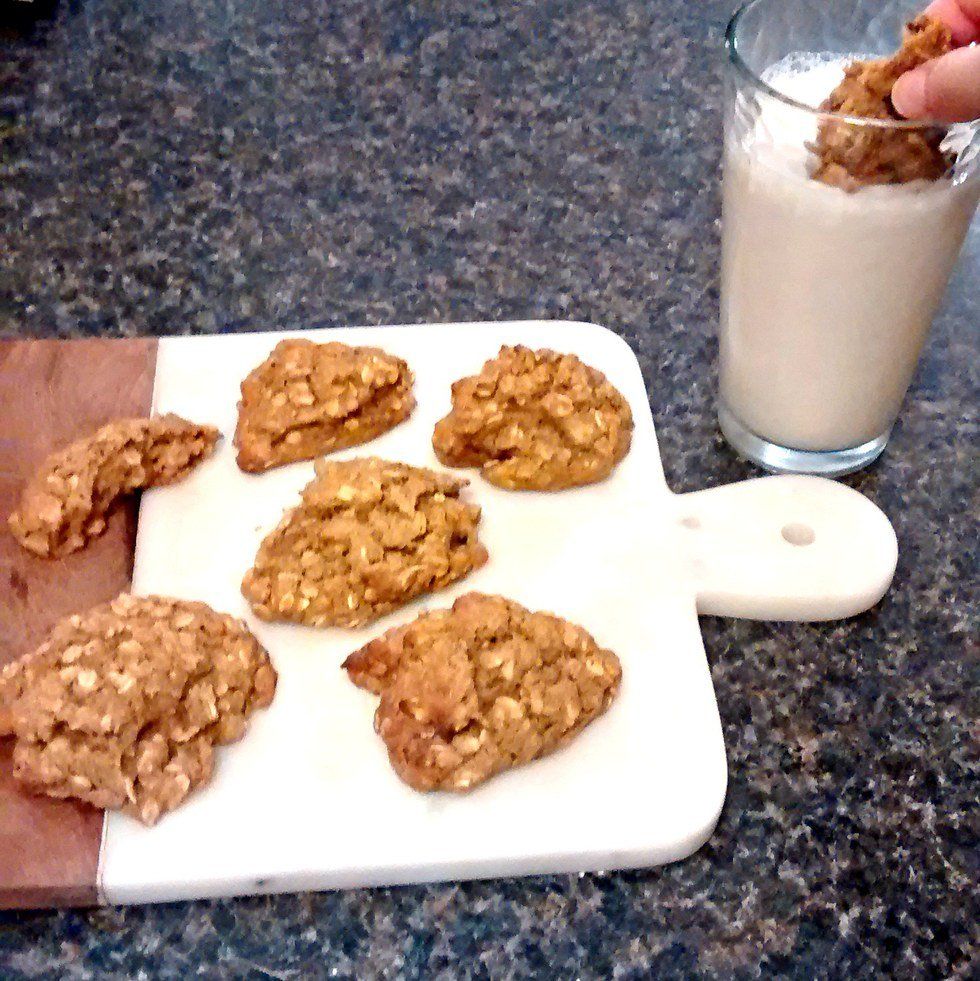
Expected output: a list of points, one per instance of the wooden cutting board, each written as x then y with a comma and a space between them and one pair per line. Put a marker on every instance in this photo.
52, 392
308, 801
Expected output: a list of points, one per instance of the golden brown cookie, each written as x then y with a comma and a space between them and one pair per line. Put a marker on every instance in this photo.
851, 156
367, 537
535, 420
66, 502
307, 399
481, 688
122, 706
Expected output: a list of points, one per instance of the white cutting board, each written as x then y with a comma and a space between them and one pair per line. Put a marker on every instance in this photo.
307, 799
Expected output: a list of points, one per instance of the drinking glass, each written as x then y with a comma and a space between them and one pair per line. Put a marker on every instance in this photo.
827, 294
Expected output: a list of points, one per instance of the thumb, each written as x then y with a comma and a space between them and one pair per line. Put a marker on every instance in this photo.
946, 89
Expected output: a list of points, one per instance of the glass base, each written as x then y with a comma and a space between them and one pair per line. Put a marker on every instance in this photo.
782, 459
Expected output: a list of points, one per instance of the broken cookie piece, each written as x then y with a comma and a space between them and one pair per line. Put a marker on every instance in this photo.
367, 537
853, 156
308, 399
483, 687
535, 420
122, 706
66, 502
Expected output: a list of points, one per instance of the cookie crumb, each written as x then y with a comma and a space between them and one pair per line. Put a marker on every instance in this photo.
483, 687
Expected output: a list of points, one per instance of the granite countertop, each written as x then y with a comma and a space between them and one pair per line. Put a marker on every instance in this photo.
228, 165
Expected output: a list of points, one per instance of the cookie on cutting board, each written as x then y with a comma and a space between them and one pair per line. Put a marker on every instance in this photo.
480, 688
122, 705
65, 504
535, 420
308, 399
367, 537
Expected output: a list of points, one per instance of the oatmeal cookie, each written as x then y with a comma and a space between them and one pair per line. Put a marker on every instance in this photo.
851, 157
66, 502
367, 537
481, 688
535, 420
307, 399
122, 705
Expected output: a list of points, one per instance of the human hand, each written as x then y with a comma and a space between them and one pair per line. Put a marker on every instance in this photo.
947, 88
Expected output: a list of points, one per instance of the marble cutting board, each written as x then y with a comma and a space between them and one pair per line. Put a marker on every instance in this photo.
307, 800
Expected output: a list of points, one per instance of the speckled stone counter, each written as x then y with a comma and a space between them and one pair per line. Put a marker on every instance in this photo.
228, 165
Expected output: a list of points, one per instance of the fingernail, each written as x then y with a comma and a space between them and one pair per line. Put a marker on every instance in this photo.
909, 94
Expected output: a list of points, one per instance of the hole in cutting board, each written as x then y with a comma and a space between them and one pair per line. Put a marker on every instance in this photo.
798, 534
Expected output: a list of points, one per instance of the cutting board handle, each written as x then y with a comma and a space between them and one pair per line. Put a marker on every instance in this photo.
786, 548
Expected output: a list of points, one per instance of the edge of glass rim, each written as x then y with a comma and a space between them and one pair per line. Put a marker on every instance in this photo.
738, 63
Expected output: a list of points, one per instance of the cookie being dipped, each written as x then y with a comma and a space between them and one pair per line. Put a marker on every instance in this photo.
852, 157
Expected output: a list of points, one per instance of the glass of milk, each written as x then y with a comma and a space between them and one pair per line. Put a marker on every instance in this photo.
826, 295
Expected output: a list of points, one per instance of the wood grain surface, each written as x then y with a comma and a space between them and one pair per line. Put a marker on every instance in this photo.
52, 392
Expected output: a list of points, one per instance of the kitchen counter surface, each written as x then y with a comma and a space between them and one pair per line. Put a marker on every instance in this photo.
229, 165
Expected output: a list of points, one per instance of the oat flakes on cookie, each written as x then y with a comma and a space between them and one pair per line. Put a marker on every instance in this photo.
65, 503
122, 705
368, 536
535, 420
308, 399
481, 688
852, 157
